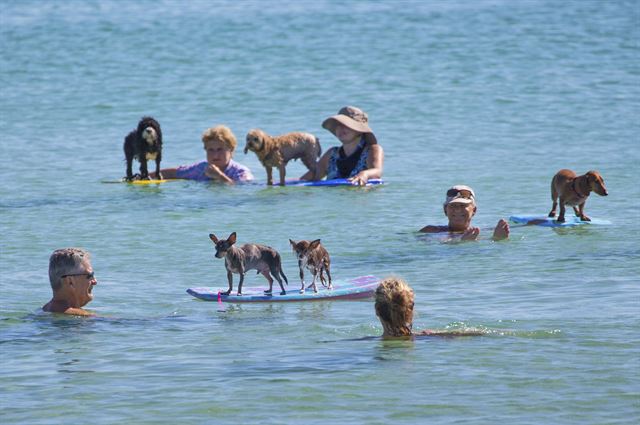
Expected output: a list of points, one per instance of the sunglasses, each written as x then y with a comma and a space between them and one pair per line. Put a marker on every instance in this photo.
463, 193
89, 276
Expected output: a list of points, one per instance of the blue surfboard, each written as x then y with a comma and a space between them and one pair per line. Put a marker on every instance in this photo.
543, 220
352, 289
332, 182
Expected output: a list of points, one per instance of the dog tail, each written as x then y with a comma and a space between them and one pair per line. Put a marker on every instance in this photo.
319, 147
279, 268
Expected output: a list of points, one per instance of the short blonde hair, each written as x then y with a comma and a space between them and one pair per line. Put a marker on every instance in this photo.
394, 306
222, 134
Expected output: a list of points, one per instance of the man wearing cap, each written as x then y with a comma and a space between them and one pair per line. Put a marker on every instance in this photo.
359, 159
72, 281
460, 207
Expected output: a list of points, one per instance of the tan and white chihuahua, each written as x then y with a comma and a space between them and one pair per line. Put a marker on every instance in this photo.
249, 256
314, 256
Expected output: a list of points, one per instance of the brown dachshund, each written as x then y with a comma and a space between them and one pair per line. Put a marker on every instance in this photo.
279, 150
574, 190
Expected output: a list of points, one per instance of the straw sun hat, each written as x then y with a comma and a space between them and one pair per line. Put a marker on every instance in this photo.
355, 119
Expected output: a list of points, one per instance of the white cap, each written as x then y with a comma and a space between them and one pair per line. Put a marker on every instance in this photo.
460, 194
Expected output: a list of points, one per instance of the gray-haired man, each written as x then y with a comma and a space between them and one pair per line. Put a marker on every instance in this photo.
72, 280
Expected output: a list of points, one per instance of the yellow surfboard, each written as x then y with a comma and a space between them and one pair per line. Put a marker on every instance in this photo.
142, 182
151, 181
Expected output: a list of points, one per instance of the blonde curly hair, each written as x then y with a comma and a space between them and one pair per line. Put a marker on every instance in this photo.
394, 306
222, 134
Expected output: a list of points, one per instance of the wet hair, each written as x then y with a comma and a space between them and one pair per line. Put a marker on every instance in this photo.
65, 261
222, 134
394, 306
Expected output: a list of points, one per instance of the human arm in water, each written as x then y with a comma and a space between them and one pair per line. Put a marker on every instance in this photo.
212, 171
215, 173
375, 163
321, 167
500, 232
167, 173
449, 333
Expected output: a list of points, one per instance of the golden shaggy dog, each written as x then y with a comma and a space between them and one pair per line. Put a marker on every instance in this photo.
279, 150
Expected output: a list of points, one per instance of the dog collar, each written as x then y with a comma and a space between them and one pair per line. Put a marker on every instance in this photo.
573, 187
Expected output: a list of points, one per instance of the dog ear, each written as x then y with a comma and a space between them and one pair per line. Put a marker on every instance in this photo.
292, 242
259, 135
593, 176
213, 238
314, 244
232, 238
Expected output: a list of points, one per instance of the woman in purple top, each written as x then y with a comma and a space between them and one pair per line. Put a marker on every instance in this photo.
219, 143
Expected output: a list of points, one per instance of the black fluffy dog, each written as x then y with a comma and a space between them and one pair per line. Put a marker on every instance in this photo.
144, 144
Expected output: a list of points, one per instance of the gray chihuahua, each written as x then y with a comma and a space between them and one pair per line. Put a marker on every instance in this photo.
249, 256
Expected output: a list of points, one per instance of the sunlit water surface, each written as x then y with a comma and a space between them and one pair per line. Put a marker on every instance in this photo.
498, 95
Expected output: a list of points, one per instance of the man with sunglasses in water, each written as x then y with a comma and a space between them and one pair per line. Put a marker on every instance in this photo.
72, 280
460, 207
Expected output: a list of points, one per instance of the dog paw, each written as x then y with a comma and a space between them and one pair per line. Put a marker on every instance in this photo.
585, 218
226, 293
302, 291
552, 214
239, 294
560, 220
283, 293
267, 292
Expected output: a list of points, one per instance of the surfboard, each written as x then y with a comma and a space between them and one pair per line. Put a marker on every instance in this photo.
332, 182
300, 183
141, 182
352, 289
543, 220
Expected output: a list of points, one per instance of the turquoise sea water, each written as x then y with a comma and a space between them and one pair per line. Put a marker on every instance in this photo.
495, 94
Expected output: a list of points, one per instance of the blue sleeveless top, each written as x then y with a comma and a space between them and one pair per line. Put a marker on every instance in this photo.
334, 166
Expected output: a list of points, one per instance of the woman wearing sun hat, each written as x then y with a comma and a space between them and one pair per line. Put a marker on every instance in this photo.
359, 159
